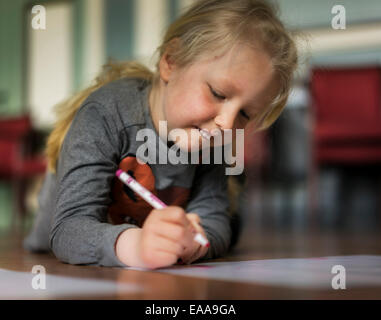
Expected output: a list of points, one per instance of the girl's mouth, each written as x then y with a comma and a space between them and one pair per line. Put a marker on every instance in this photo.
204, 133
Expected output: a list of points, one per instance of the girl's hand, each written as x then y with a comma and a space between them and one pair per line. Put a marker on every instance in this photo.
194, 251
167, 235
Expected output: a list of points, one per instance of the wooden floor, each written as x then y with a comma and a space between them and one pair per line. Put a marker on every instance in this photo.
253, 245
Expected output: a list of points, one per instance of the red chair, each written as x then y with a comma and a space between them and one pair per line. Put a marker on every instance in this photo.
346, 108
347, 115
17, 162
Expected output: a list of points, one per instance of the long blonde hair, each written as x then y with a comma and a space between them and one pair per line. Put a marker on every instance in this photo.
208, 26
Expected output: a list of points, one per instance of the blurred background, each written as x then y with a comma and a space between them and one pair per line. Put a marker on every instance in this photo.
317, 168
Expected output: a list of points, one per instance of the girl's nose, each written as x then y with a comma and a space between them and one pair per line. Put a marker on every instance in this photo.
225, 119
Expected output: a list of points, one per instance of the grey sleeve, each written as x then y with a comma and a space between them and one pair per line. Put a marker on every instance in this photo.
209, 199
38, 238
88, 160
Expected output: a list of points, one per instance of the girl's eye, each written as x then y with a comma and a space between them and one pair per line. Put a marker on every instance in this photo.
244, 114
218, 96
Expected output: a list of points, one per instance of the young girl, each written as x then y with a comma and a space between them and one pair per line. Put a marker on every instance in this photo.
223, 64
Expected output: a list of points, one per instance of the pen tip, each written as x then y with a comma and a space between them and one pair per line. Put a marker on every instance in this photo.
118, 173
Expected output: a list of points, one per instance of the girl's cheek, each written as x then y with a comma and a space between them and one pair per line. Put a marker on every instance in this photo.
205, 113
191, 108
198, 107
206, 107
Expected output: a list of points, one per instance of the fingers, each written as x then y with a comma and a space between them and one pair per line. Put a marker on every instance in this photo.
168, 234
193, 257
157, 251
193, 217
176, 233
172, 223
194, 254
171, 214
167, 245
195, 221
196, 251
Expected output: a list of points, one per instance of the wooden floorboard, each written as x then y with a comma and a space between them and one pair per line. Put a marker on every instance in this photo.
252, 245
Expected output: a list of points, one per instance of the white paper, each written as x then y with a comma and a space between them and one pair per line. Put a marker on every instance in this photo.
313, 273
18, 285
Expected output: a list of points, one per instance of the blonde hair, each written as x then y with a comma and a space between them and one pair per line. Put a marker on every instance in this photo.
208, 26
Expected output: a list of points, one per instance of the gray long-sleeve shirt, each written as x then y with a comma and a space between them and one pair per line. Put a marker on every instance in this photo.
83, 208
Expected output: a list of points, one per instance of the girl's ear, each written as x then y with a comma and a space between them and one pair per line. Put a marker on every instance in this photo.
167, 64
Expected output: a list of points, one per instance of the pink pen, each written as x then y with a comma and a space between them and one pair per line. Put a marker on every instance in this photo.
152, 199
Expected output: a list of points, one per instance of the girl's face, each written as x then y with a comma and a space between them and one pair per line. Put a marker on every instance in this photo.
218, 92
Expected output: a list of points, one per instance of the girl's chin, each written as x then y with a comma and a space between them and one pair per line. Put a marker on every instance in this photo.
188, 146
192, 141
193, 145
